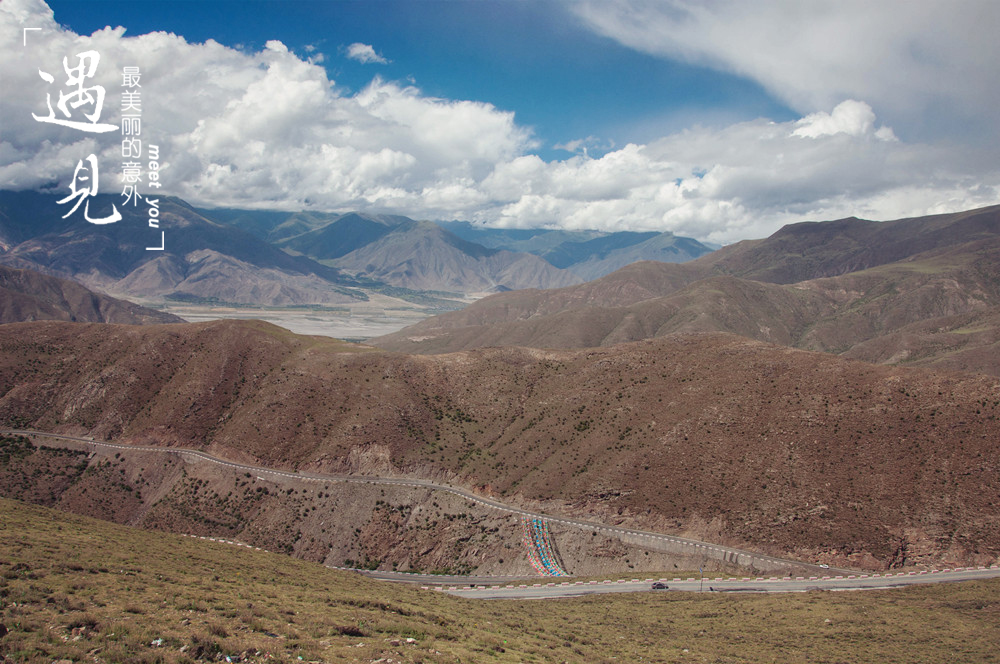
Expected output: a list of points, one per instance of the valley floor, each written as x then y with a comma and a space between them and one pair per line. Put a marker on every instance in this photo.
378, 316
349, 324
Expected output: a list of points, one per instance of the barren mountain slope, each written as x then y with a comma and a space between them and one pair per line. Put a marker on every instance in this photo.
812, 250
833, 314
26, 295
764, 311
711, 434
969, 342
589, 254
635, 283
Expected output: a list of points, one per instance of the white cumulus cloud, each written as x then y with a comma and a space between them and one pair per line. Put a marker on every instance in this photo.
851, 117
264, 129
270, 129
745, 180
365, 54
929, 67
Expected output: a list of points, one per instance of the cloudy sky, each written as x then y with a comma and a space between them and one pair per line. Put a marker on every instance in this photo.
720, 120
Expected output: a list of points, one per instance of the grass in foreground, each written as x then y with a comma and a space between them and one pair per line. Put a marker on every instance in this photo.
83, 590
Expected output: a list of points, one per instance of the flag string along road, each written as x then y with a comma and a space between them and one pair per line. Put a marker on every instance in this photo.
485, 587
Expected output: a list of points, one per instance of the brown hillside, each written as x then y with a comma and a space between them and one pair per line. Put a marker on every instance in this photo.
795, 253
713, 434
26, 295
640, 281
767, 312
834, 314
812, 250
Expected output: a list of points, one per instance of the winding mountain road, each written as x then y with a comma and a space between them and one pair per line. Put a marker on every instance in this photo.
648, 539
745, 585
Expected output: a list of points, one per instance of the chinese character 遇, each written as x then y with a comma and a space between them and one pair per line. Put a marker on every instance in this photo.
93, 96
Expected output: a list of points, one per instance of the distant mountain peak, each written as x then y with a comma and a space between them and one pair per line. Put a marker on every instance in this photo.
114, 257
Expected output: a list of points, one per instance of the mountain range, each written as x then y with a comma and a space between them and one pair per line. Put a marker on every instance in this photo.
588, 254
671, 396
463, 257
273, 258
925, 291
421, 255
202, 259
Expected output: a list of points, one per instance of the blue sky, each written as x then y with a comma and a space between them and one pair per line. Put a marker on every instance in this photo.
533, 58
720, 120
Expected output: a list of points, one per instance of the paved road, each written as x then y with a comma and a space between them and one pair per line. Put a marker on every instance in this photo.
745, 585
707, 549
519, 588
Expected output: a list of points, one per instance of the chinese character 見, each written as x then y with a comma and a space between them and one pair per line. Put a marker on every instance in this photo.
86, 191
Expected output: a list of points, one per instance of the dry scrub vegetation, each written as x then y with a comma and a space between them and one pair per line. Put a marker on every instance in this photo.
713, 435
73, 588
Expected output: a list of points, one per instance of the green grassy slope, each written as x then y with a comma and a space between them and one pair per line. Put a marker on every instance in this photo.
78, 589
